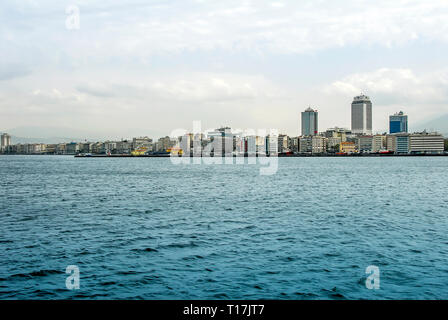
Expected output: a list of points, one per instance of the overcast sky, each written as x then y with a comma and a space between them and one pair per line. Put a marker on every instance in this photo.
148, 67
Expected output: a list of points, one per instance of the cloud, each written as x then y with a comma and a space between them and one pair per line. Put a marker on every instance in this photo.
293, 27
422, 95
158, 64
191, 87
10, 72
395, 86
141, 29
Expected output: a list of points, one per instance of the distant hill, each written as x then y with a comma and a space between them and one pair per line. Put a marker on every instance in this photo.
440, 124
48, 135
22, 140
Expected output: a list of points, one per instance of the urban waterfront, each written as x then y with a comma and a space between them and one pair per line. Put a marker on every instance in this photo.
145, 228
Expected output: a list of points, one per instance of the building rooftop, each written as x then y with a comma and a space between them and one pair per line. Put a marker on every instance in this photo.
361, 98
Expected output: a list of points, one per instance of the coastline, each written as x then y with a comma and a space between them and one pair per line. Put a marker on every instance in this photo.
361, 155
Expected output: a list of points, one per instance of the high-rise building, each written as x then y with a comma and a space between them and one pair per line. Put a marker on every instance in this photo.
5, 141
362, 115
310, 122
398, 123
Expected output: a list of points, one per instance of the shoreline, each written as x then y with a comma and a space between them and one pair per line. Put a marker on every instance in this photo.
323, 155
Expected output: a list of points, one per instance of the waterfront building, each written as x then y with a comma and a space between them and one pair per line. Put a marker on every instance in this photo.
251, 145
398, 123
61, 148
50, 148
142, 145
426, 143
240, 145
260, 144
97, 147
333, 143
312, 144
85, 147
5, 141
186, 143
391, 142
109, 147
310, 122
402, 144
165, 143
362, 115
72, 148
124, 147
306, 144
272, 144
336, 132
222, 140
347, 147
365, 144
283, 143
398, 143
294, 144
319, 144
378, 143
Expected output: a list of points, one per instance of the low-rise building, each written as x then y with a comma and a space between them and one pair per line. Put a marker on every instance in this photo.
426, 143
72, 148
365, 144
50, 149
312, 144
378, 143
347, 147
294, 144
333, 144
124, 147
61, 148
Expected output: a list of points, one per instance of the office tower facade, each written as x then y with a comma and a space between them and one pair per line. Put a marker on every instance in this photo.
5, 141
398, 123
362, 115
310, 122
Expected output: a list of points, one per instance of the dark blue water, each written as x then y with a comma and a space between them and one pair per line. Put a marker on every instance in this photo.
145, 228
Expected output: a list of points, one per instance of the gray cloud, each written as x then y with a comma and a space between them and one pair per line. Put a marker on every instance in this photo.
149, 66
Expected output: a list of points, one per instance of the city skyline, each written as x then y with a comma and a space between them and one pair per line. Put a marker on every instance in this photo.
253, 65
361, 123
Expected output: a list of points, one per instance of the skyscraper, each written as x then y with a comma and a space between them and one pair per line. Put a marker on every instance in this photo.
362, 115
5, 141
398, 123
310, 122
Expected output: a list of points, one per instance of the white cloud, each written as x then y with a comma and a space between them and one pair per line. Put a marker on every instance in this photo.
294, 27
143, 29
422, 95
395, 85
240, 62
191, 87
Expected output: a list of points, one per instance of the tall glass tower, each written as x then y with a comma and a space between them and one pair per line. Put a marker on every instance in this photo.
398, 123
362, 115
310, 122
